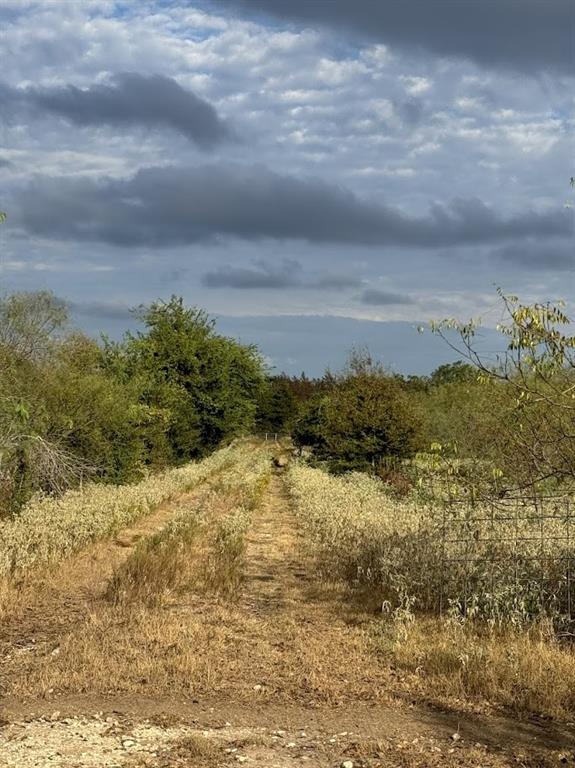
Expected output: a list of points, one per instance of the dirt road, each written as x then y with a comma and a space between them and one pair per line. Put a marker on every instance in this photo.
283, 673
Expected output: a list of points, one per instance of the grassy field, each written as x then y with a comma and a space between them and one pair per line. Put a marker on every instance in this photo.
494, 641
50, 528
264, 613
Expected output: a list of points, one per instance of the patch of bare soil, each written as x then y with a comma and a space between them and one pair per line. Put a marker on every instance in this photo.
279, 673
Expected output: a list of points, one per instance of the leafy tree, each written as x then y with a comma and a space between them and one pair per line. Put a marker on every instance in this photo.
535, 442
277, 406
310, 428
29, 323
207, 382
71, 408
370, 416
366, 416
453, 373
29, 458
464, 416
93, 415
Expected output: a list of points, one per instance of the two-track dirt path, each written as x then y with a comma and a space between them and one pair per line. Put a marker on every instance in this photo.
52, 602
295, 677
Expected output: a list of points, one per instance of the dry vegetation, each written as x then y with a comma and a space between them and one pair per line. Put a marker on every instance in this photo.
216, 599
391, 551
136, 636
159, 565
164, 564
526, 672
50, 528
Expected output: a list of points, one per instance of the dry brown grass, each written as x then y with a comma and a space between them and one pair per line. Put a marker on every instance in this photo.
161, 564
419, 753
527, 672
277, 636
246, 620
210, 648
86, 573
9, 599
257, 630
224, 573
154, 571
352, 526
162, 625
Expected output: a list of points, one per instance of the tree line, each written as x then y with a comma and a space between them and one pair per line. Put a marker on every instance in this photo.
508, 418
75, 409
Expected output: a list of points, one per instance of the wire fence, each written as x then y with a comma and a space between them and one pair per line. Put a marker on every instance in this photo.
509, 557
272, 437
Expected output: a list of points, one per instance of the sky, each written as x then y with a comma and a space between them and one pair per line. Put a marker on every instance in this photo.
316, 174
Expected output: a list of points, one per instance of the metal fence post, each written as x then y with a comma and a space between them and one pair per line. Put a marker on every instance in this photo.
443, 562
569, 555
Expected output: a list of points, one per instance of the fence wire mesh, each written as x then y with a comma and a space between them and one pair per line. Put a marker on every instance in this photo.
508, 557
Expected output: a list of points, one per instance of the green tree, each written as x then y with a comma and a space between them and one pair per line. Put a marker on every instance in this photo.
278, 405
71, 408
366, 416
535, 442
453, 373
30, 457
208, 383
370, 416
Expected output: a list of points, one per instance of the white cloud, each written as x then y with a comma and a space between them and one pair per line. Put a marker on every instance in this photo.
467, 103
333, 72
401, 173
377, 55
302, 102
427, 148
383, 108
533, 137
302, 96
415, 86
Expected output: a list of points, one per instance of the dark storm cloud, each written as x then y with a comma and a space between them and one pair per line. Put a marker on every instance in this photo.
335, 282
167, 206
100, 309
376, 298
530, 35
130, 99
9, 100
410, 111
544, 256
288, 274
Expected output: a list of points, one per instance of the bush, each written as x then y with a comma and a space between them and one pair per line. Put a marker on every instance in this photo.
365, 416
72, 409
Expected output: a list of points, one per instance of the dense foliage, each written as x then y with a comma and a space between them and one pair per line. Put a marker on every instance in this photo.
72, 409
364, 415
285, 398
527, 396
510, 417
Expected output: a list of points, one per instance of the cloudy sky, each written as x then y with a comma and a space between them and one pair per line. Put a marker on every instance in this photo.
316, 173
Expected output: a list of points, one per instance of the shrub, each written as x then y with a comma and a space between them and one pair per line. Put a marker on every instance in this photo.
367, 415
